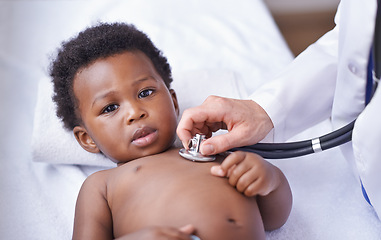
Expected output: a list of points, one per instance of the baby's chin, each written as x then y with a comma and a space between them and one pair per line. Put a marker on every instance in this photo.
144, 153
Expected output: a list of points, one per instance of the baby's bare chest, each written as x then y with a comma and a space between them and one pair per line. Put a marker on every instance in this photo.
144, 182
170, 193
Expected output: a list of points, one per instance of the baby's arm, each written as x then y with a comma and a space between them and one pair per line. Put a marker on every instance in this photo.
252, 175
92, 215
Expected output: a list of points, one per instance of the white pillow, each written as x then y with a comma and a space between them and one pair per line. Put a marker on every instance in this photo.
51, 143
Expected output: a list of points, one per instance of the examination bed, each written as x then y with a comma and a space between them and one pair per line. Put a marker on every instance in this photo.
220, 47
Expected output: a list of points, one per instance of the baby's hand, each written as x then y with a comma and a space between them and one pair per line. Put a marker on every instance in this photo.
157, 233
249, 173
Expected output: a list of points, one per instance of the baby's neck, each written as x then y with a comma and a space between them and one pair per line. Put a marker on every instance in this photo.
122, 163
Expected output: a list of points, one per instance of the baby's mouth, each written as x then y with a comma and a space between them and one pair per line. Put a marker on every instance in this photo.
144, 136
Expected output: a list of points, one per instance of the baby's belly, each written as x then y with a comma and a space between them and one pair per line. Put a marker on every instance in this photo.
187, 194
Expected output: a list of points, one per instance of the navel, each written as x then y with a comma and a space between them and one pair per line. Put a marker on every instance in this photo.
231, 220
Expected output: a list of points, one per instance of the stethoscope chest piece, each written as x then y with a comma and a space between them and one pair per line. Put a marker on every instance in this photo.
193, 153
195, 156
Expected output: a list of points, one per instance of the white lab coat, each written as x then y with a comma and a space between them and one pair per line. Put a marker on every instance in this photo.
328, 80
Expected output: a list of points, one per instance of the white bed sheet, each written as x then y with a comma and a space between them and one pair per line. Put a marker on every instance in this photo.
200, 38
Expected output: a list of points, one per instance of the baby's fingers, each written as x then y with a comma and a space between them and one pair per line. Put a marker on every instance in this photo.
231, 161
241, 176
242, 179
228, 165
257, 187
264, 184
188, 229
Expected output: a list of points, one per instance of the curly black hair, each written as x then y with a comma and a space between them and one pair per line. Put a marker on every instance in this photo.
99, 41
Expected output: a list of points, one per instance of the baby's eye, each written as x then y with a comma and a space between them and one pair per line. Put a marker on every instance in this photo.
145, 93
110, 108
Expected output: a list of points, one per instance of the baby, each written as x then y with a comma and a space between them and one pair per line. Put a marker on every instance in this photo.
112, 89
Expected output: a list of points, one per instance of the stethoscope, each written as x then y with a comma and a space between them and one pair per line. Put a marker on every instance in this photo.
301, 148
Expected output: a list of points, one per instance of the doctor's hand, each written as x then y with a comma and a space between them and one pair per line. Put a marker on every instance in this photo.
247, 123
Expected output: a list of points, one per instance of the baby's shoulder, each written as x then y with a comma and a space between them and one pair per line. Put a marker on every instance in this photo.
97, 181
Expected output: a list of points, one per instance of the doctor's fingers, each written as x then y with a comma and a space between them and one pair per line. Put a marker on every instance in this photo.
197, 119
207, 128
213, 109
215, 145
247, 124
237, 137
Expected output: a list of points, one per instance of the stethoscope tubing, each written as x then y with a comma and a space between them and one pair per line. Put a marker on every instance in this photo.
300, 148
301, 144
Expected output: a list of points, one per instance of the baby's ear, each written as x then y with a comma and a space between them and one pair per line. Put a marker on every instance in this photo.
85, 140
174, 100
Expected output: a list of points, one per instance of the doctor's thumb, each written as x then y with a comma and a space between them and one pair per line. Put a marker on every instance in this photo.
217, 144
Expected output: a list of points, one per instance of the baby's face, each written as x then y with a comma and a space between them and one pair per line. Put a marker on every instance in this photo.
125, 106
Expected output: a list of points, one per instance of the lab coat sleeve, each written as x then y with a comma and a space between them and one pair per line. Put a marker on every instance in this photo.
302, 94
366, 140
